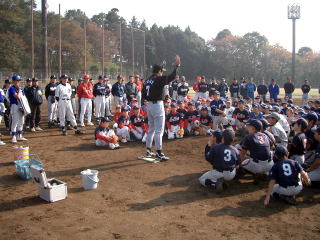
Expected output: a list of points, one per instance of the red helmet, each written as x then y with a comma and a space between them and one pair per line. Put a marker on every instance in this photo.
85, 76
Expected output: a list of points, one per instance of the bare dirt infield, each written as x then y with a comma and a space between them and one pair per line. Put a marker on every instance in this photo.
140, 200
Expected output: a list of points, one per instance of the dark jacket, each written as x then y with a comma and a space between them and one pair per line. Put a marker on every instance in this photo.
288, 87
34, 95
305, 88
262, 89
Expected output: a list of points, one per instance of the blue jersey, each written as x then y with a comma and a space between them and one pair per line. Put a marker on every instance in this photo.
258, 144
99, 89
253, 116
216, 104
13, 90
286, 173
174, 118
205, 120
136, 121
191, 116
182, 112
251, 87
223, 157
117, 89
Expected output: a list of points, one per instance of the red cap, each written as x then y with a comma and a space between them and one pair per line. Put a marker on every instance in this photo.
85, 76
136, 76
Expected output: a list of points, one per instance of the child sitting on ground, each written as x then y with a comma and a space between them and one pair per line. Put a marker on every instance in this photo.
105, 136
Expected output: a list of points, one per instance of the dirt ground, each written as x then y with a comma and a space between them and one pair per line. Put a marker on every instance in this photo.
140, 200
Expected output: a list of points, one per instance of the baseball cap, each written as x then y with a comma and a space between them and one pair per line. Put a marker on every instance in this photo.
53, 77
265, 123
274, 115
317, 101
216, 133
255, 123
134, 100
276, 108
306, 108
157, 68
241, 101
105, 119
173, 105
179, 102
63, 76
256, 105
125, 100
311, 116
16, 78
100, 77
136, 108
204, 109
126, 108
136, 76
302, 122
216, 93
118, 107
191, 103
80, 80
281, 151
28, 80
35, 79
6, 81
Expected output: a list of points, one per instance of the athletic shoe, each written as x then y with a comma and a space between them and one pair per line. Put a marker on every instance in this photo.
150, 154
2, 143
82, 125
33, 129
14, 139
39, 129
161, 157
21, 138
49, 124
69, 127
90, 124
219, 185
117, 146
78, 132
64, 133
123, 140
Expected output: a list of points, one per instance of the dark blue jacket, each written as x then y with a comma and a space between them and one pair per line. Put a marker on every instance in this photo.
117, 89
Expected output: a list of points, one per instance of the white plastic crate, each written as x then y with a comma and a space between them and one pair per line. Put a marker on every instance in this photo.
51, 190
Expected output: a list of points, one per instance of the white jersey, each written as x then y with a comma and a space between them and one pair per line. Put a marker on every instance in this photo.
278, 131
229, 112
284, 123
63, 91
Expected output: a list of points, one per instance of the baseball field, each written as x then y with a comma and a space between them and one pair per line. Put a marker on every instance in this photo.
140, 200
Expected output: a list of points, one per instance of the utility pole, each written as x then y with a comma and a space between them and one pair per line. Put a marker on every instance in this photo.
59, 42
120, 50
45, 38
132, 45
294, 14
85, 44
103, 46
32, 41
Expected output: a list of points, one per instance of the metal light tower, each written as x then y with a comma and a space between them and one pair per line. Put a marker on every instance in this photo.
293, 13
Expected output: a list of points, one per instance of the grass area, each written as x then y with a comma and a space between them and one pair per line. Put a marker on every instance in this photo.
297, 93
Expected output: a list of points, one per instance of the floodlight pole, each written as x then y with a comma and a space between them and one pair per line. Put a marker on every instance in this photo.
294, 14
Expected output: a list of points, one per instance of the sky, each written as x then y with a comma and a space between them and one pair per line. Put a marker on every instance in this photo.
208, 17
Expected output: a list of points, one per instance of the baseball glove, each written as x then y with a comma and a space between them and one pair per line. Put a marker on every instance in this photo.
180, 132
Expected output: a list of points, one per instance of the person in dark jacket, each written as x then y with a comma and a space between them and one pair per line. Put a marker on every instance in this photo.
34, 96
51, 100
117, 91
223, 88
243, 89
262, 91
28, 117
288, 88
130, 89
274, 90
305, 88
234, 89
213, 86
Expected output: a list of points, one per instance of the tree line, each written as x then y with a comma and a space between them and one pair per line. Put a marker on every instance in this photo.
226, 55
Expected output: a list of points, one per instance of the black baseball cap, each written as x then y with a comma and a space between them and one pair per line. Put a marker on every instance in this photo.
35, 79
302, 122
217, 134
255, 123
281, 151
28, 80
156, 68
64, 76
105, 119
311, 116
265, 123
53, 77
7, 81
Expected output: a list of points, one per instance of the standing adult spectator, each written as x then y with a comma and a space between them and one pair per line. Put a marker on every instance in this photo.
175, 84
130, 89
243, 88
203, 88
305, 88
118, 91
274, 90
34, 96
251, 88
85, 92
51, 100
99, 93
27, 120
213, 86
288, 88
223, 88
196, 88
80, 80
73, 96
262, 90
183, 90
139, 85
234, 89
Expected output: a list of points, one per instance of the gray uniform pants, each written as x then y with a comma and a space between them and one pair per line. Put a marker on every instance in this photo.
52, 108
156, 121
73, 104
108, 106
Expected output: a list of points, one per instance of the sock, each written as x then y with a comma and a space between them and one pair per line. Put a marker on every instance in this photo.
159, 152
209, 182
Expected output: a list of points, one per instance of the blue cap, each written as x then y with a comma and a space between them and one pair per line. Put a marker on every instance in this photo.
80, 80
179, 102
105, 119
306, 108
136, 108
125, 100
173, 105
255, 123
276, 108
16, 78
311, 116
216, 92
126, 108
241, 101
191, 103
256, 105
281, 151
302, 122
217, 134
64, 76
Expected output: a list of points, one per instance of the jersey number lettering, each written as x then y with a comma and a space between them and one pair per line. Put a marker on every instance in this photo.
227, 155
148, 89
287, 169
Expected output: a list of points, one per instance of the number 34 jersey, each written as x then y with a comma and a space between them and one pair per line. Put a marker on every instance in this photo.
286, 172
223, 157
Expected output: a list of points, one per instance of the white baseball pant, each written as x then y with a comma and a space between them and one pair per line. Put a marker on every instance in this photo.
137, 134
108, 106
314, 175
86, 106
172, 133
52, 109
17, 119
196, 96
298, 158
100, 105
139, 98
214, 175
191, 128
258, 167
74, 106
288, 191
218, 120
100, 143
124, 133
175, 95
118, 100
181, 98
203, 95
66, 112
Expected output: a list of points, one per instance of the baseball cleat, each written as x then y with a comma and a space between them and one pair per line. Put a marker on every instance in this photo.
161, 157
219, 185
33, 129
39, 129
78, 132
2, 143
22, 139
150, 154
69, 127
90, 124
64, 133
14, 139
82, 125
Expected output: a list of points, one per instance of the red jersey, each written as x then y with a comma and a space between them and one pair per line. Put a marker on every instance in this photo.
85, 90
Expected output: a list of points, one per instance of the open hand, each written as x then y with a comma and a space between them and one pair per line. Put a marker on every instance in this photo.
178, 61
